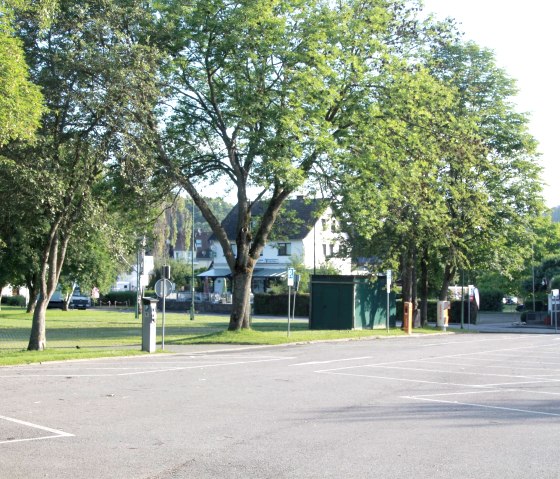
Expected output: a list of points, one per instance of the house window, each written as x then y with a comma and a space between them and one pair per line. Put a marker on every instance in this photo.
324, 249
331, 249
284, 249
198, 243
324, 224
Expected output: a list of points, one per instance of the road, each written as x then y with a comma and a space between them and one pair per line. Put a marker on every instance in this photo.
445, 406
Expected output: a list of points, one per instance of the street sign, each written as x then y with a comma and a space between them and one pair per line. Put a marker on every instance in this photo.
159, 287
389, 279
291, 275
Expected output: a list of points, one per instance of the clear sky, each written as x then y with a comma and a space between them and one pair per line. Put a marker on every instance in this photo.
524, 38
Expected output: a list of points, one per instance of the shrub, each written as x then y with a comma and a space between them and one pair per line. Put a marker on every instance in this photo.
277, 304
455, 313
491, 300
121, 297
14, 301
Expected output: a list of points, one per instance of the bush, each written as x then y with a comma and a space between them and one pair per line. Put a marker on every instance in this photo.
455, 313
120, 297
432, 310
14, 301
277, 304
491, 300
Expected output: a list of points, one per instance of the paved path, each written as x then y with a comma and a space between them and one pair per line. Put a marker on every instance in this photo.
445, 406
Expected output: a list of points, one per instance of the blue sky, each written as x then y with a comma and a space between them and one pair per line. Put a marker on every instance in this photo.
524, 38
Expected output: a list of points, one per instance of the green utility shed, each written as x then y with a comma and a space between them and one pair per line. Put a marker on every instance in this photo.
350, 302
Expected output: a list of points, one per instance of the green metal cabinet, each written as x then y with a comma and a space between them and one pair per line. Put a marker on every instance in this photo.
350, 302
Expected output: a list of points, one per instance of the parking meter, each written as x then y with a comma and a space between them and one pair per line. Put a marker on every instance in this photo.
149, 317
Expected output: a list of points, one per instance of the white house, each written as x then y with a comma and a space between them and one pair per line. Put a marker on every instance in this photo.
306, 231
128, 281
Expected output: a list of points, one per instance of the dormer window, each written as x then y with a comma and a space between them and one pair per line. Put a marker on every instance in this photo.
284, 249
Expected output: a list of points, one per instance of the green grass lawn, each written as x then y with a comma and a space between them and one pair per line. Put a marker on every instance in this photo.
96, 333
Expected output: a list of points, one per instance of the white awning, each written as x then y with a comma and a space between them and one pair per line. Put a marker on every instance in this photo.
269, 273
215, 273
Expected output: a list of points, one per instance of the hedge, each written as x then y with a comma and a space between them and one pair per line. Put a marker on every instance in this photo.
277, 304
14, 301
491, 300
120, 297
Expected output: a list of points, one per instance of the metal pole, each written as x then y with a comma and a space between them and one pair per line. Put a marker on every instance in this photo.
295, 296
388, 308
469, 304
289, 307
462, 299
137, 309
192, 263
555, 301
533, 266
163, 316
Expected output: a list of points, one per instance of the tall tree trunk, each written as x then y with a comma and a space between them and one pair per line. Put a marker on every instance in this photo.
241, 312
38, 336
52, 261
448, 275
32, 284
424, 288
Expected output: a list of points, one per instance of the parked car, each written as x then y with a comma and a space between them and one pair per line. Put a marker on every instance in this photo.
79, 300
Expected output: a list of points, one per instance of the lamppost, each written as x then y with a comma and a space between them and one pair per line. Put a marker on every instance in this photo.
193, 252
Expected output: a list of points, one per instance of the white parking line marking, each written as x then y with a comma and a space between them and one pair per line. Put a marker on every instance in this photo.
464, 373
56, 432
484, 406
401, 379
133, 373
330, 361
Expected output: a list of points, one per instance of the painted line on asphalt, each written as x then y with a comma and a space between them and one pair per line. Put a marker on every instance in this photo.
388, 378
136, 373
56, 433
330, 361
466, 373
484, 406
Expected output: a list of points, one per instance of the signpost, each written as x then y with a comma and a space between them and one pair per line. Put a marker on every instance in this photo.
389, 280
291, 275
163, 287
555, 301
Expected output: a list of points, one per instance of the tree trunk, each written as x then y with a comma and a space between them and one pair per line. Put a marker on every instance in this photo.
241, 308
52, 261
448, 275
38, 337
424, 287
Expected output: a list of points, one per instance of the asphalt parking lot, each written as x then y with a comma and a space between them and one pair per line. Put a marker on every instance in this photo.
446, 406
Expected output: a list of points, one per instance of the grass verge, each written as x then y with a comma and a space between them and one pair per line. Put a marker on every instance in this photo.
104, 333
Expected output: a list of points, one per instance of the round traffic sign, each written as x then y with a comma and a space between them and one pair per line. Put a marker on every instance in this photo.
159, 287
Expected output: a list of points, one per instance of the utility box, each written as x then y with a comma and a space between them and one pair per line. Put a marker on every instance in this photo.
149, 317
350, 302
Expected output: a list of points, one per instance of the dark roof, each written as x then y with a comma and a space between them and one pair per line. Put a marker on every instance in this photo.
295, 219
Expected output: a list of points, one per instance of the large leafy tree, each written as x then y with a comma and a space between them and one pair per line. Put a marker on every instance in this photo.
20, 100
461, 189
493, 198
97, 80
263, 93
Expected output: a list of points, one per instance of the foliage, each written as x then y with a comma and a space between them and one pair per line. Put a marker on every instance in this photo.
119, 297
91, 70
181, 275
491, 300
277, 304
266, 94
21, 102
14, 301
